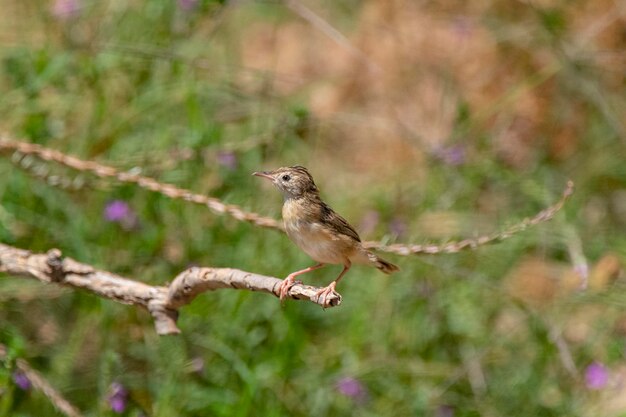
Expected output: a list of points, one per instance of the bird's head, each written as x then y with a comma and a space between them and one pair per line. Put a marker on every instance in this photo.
293, 181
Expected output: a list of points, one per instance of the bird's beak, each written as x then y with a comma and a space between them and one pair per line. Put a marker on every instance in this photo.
264, 174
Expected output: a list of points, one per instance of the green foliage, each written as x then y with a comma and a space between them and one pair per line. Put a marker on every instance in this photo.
148, 84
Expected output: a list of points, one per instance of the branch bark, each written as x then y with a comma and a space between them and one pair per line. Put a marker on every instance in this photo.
163, 302
41, 384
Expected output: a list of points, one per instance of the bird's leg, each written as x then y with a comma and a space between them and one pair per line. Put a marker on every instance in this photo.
283, 289
326, 291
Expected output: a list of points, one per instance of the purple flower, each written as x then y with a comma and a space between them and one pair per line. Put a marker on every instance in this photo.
118, 397
452, 155
187, 5
227, 159
352, 388
65, 9
21, 380
398, 226
444, 411
118, 211
582, 269
596, 376
462, 27
369, 221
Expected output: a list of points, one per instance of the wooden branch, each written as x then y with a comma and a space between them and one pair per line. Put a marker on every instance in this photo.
39, 383
163, 302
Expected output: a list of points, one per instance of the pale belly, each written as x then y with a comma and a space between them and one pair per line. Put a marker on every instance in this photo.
317, 243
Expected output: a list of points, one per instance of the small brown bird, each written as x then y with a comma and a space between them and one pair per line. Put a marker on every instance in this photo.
320, 232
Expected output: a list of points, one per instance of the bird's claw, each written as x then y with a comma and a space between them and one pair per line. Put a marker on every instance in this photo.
284, 287
322, 295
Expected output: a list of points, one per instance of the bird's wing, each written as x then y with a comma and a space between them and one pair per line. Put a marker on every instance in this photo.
337, 223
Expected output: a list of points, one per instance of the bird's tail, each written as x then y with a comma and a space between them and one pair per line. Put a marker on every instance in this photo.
380, 263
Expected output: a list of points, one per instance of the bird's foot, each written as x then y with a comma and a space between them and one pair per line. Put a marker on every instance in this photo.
285, 286
323, 294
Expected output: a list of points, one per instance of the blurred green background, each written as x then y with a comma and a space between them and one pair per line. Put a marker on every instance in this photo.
421, 122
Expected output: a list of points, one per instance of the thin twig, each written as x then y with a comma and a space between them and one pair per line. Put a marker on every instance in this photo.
169, 190
565, 354
217, 206
163, 302
39, 383
329, 30
454, 247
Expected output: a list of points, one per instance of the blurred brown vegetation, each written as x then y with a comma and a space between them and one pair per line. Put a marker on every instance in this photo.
426, 62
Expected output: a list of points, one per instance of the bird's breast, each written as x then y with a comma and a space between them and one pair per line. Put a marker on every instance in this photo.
313, 238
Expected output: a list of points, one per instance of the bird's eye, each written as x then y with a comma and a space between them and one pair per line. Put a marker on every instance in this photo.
286, 177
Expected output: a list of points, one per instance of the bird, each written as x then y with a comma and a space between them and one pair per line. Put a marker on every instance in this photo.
318, 230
